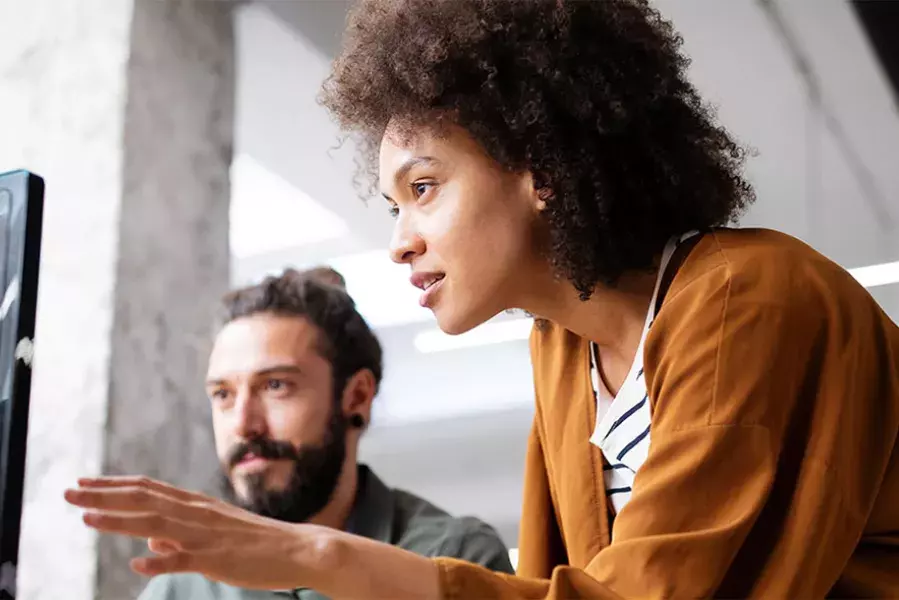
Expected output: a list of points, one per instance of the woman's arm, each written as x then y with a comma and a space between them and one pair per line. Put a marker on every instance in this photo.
755, 483
194, 533
197, 534
353, 567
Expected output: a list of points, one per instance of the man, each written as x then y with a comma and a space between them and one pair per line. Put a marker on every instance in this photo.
291, 379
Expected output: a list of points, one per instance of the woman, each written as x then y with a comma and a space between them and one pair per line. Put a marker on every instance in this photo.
717, 410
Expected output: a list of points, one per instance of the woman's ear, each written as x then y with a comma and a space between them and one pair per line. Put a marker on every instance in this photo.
543, 191
544, 195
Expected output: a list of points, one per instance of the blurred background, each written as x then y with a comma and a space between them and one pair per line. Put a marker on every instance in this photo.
185, 153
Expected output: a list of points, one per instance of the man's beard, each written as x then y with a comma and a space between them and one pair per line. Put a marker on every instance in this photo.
312, 481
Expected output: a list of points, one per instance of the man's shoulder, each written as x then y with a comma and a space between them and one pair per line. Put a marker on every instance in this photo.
428, 530
191, 586
417, 514
416, 518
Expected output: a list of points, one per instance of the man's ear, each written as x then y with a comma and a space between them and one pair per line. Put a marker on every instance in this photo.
358, 394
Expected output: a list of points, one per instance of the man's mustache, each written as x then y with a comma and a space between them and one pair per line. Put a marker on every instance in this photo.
263, 448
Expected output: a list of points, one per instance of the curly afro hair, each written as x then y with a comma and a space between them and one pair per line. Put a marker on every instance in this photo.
590, 96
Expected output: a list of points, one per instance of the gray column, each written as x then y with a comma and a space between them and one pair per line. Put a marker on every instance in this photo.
126, 108
172, 254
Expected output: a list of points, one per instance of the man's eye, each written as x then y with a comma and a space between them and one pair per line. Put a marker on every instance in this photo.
220, 394
278, 386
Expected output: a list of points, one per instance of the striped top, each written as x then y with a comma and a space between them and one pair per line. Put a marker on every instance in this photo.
623, 421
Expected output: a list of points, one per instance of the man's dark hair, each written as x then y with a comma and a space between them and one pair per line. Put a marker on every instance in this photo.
590, 96
345, 339
326, 275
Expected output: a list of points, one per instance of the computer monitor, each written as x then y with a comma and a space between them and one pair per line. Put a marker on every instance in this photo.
21, 212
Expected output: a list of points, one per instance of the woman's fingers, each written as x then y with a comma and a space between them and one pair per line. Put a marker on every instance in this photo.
213, 561
175, 533
163, 546
172, 562
143, 500
141, 482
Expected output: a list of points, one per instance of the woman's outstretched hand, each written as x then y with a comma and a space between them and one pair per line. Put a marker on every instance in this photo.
191, 532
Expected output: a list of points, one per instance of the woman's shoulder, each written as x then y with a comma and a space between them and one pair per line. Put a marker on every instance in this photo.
757, 323
765, 287
761, 267
758, 267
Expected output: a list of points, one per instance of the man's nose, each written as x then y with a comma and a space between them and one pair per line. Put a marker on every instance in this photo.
250, 421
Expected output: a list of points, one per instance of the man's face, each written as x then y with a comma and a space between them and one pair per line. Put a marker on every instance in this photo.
279, 431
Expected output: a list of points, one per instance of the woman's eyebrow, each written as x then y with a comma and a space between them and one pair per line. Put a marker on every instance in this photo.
407, 166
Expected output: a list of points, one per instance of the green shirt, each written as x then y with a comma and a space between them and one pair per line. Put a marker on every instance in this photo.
380, 513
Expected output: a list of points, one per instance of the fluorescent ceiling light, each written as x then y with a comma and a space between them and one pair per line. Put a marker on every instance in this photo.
875, 275
489, 333
519, 329
269, 213
381, 288
385, 298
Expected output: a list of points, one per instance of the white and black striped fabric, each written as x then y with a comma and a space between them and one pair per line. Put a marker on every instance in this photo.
622, 428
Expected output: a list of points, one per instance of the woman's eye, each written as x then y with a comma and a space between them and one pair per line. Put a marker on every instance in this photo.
394, 210
420, 188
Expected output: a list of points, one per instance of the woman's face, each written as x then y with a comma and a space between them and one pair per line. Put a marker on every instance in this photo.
466, 227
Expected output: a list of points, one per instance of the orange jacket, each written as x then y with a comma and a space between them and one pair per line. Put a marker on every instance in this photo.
773, 470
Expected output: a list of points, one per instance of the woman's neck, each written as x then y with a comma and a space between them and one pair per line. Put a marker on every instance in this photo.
612, 318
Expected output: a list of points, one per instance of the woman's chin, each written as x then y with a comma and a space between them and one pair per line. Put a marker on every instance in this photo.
458, 322
453, 330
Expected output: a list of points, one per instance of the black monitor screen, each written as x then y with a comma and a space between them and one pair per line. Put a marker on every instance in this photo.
21, 207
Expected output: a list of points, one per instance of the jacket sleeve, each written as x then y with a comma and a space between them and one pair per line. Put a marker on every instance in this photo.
732, 446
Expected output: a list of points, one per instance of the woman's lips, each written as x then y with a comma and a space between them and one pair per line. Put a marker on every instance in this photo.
429, 282
426, 299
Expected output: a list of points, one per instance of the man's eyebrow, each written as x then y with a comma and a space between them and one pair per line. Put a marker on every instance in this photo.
261, 372
279, 369
407, 166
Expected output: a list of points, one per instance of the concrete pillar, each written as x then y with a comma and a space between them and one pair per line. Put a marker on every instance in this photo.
126, 108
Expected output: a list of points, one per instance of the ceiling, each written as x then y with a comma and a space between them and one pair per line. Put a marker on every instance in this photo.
451, 424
